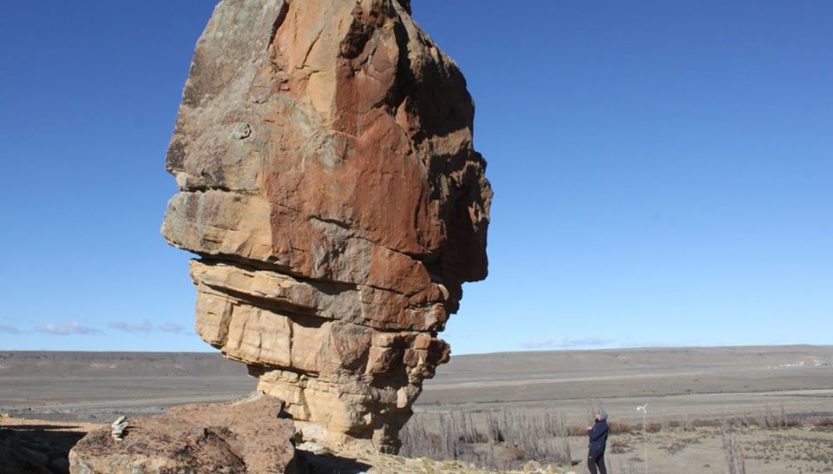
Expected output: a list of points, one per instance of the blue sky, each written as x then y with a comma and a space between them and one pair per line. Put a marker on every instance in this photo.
662, 172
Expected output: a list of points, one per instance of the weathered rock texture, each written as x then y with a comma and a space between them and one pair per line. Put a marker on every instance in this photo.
237, 438
323, 152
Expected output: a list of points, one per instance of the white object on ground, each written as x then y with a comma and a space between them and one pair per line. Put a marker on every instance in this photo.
118, 427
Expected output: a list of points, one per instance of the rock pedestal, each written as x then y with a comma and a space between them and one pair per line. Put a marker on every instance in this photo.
328, 184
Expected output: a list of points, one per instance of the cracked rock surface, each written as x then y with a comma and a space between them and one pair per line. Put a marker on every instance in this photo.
235, 438
329, 187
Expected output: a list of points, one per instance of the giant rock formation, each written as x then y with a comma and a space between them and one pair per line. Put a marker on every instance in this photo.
329, 187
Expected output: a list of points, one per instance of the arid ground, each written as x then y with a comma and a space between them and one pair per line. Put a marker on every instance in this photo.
697, 383
773, 404
769, 408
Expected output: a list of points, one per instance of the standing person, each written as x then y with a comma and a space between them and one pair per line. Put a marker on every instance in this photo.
598, 439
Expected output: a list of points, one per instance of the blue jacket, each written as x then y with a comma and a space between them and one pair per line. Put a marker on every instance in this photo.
598, 437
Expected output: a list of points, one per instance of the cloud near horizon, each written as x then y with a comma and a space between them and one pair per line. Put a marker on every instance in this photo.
145, 327
66, 329
6, 329
568, 343
132, 328
173, 328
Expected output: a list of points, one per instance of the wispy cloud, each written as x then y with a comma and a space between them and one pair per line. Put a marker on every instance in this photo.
6, 329
568, 343
173, 328
145, 327
132, 328
66, 329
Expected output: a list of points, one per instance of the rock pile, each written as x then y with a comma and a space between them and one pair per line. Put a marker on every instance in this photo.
118, 427
328, 183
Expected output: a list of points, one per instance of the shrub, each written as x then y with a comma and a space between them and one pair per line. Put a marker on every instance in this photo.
577, 430
653, 428
619, 446
620, 427
823, 423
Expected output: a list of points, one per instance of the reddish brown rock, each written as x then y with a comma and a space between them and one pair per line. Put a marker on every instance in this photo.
237, 438
329, 186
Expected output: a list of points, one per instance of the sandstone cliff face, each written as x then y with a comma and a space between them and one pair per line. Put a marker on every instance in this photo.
328, 184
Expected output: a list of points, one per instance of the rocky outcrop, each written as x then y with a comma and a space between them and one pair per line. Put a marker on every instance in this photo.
328, 183
237, 438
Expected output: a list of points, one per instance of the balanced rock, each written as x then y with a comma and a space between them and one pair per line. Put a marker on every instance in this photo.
243, 437
328, 183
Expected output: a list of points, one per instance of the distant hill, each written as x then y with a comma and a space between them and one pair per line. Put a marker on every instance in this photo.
475, 367
118, 364
617, 373
540, 363
92, 385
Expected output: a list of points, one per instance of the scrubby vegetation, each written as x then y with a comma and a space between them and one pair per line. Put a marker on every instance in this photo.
514, 438
505, 440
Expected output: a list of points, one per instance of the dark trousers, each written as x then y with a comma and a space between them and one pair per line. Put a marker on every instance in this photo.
594, 461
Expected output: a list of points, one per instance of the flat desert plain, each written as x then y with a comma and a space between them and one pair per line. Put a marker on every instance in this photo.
767, 409
676, 383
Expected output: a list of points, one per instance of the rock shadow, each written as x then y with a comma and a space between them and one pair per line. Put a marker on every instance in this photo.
309, 463
36, 448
